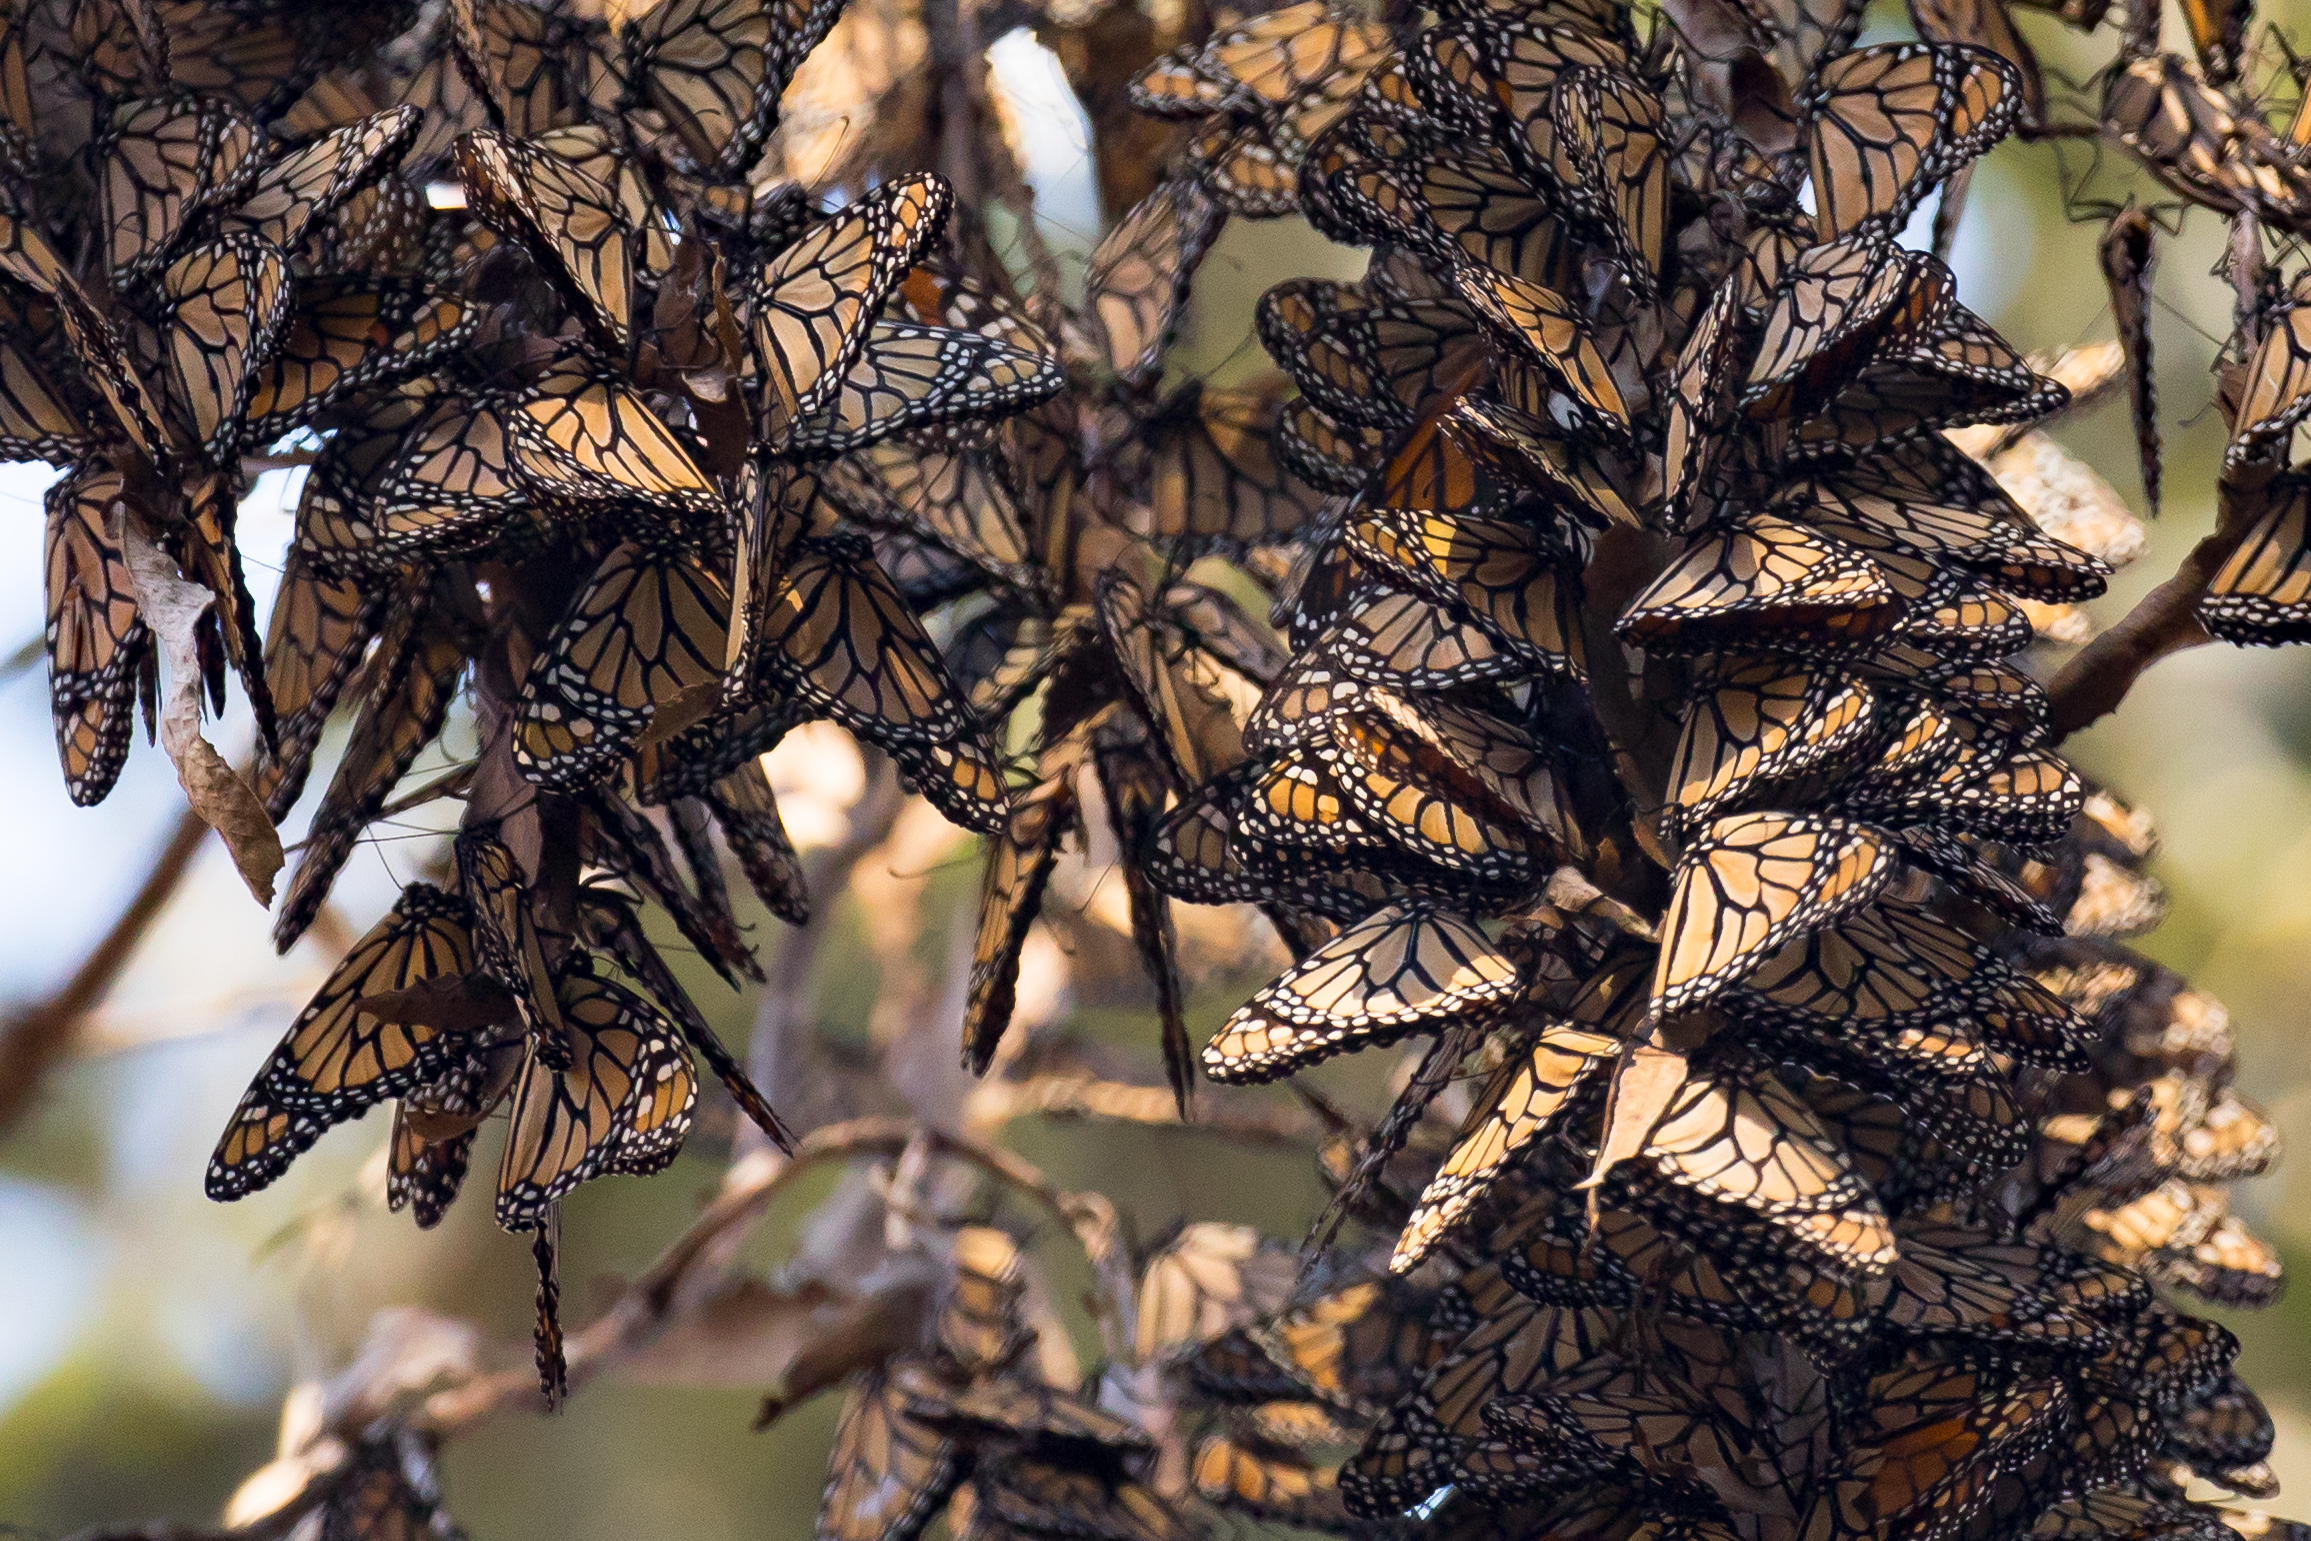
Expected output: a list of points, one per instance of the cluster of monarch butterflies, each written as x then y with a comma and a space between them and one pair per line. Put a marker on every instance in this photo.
1640, 720
575, 398
1653, 738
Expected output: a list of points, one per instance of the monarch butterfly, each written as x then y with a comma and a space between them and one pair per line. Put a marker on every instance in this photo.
99, 649
2223, 1427
1134, 786
319, 631
580, 435
1402, 970
1586, 480
908, 376
1546, 328
1358, 1348
1277, 57
1206, 853
1939, 503
1329, 456
888, 1474
1460, 204
301, 188
1612, 1412
1508, 578
1251, 167
1364, 359
1759, 581
1421, 1443
642, 641
1525, 60
1186, 694
1885, 124
1943, 1433
131, 412
1040, 1493
978, 1327
1701, 400
1019, 862
622, 1104
1965, 623
415, 477
1749, 884
348, 336
622, 841
1954, 1280
1955, 372
1760, 721
1517, 1106
529, 68
1555, 1262
338, 1061
955, 498
569, 221
1734, 1133
1269, 87
425, 1176
164, 162
1834, 304
1010, 1409
2230, 1139
1444, 79
813, 304
1607, 147
746, 809
1207, 462
2262, 594
44, 413
1205, 1281
419, 662
1137, 278
965, 780
2128, 251
1268, 1483
715, 69
223, 306
1405, 643
506, 941
1885, 964
1473, 754
385, 1491
2193, 136
1297, 800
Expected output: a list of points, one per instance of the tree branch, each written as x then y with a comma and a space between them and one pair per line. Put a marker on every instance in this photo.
650, 1302
2166, 620
773, 1053
36, 1037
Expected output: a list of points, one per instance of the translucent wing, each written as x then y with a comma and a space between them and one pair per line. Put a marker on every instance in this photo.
1403, 970
98, 645
644, 636
1749, 884
813, 304
337, 1061
622, 1105
909, 376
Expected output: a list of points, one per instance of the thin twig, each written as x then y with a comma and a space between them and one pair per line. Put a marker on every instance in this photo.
648, 1304
450, 783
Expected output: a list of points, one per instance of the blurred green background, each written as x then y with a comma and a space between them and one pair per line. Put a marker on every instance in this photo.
146, 1335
